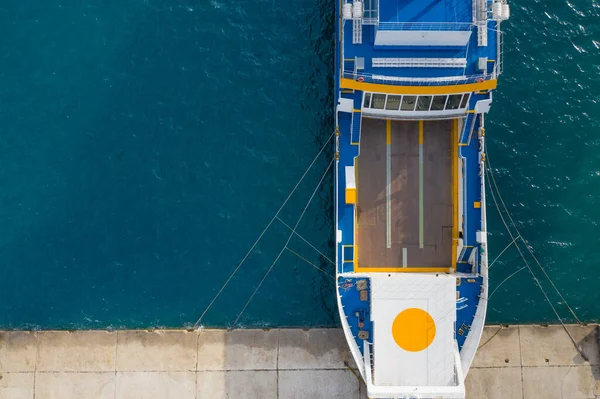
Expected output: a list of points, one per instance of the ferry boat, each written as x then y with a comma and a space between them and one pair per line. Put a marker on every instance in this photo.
413, 83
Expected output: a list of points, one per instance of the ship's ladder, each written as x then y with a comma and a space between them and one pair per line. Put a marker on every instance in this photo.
357, 31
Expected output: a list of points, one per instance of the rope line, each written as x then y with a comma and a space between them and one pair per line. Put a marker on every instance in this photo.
303, 239
504, 250
496, 333
358, 377
505, 280
535, 279
284, 247
263, 233
310, 263
527, 245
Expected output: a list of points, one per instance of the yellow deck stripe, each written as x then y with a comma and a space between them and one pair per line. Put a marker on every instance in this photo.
346, 83
388, 183
403, 269
388, 131
355, 231
421, 209
454, 191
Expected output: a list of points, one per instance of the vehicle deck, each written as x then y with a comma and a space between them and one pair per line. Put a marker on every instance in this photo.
404, 198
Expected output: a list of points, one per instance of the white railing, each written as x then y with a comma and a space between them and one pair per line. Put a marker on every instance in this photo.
419, 62
357, 31
371, 12
480, 20
406, 81
427, 26
454, 390
370, 361
500, 51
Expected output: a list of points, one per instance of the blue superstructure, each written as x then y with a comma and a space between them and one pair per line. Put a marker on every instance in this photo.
414, 80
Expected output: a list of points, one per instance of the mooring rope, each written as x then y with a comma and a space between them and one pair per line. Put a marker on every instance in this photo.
309, 262
527, 245
303, 239
285, 245
505, 280
535, 279
490, 338
263, 232
504, 250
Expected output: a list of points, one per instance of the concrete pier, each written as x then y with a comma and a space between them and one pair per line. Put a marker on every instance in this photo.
518, 362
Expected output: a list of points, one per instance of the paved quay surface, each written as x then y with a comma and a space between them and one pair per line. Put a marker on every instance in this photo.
524, 362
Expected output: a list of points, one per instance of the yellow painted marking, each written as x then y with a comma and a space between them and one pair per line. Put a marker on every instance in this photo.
356, 110
413, 330
477, 204
421, 204
408, 269
350, 196
388, 183
355, 266
462, 144
388, 131
355, 232
454, 191
344, 246
356, 178
491, 60
471, 111
346, 83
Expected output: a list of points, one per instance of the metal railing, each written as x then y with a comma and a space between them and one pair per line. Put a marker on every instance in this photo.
371, 12
419, 62
500, 52
404, 81
369, 359
425, 26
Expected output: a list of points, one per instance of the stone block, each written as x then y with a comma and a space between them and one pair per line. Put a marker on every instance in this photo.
237, 384
17, 351
494, 383
551, 346
75, 385
16, 385
572, 382
220, 350
76, 351
314, 349
318, 384
499, 347
157, 350
156, 385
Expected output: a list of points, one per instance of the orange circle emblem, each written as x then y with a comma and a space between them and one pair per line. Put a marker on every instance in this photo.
413, 330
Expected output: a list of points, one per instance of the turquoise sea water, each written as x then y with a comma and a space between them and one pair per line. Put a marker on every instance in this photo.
145, 144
